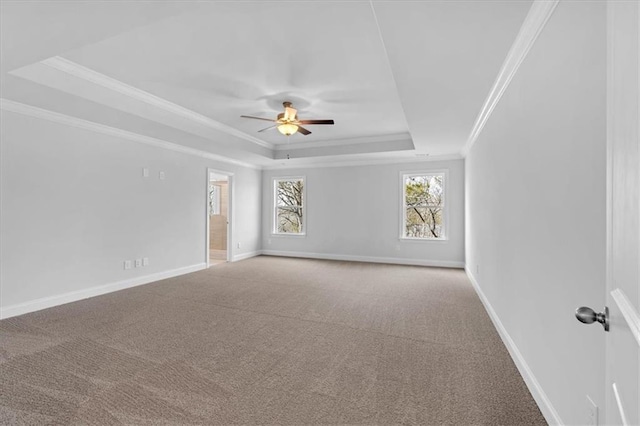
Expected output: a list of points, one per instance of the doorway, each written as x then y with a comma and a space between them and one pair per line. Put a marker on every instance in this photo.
218, 230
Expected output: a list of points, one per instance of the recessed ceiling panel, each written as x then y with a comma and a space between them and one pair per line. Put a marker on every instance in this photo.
226, 59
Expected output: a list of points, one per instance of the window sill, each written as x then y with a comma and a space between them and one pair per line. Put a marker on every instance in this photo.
288, 235
424, 240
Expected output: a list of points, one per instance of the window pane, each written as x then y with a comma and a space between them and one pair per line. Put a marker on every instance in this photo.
289, 206
289, 219
423, 222
214, 200
424, 206
424, 190
289, 192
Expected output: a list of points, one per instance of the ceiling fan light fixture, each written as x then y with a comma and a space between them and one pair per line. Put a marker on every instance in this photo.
287, 122
287, 129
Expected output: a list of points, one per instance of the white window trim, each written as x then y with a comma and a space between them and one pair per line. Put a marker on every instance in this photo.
274, 207
445, 213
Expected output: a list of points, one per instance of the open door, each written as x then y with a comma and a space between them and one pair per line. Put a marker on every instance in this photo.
623, 214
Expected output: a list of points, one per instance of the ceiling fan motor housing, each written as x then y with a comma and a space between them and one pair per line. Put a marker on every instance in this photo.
282, 119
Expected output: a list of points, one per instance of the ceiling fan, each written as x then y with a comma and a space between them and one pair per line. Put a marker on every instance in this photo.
287, 122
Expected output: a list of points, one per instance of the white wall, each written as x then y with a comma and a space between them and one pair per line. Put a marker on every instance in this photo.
535, 191
75, 206
354, 213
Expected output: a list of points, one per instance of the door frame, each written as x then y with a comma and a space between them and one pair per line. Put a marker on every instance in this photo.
230, 197
624, 312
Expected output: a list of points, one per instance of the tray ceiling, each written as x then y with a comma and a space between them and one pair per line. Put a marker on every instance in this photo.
401, 78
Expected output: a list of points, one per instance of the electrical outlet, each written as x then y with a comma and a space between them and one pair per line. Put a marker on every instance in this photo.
592, 412
238, 245
145, 172
161, 175
145, 261
138, 263
127, 264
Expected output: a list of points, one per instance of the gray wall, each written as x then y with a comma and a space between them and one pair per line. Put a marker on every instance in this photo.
75, 206
354, 213
535, 191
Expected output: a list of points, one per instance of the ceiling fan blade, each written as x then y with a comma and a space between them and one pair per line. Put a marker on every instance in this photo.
268, 128
317, 122
303, 131
258, 118
290, 113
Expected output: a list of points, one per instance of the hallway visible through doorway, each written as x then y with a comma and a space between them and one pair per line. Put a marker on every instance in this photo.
217, 256
218, 218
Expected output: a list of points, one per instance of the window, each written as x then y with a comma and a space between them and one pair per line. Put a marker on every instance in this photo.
423, 208
214, 199
289, 202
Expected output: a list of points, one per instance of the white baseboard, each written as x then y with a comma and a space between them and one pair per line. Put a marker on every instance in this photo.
244, 256
393, 260
73, 296
549, 413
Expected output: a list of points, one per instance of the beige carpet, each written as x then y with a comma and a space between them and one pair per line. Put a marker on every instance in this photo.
267, 341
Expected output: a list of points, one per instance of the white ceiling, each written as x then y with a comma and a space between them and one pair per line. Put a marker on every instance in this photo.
399, 78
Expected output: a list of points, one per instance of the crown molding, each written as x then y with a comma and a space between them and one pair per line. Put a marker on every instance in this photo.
539, 14
40, 113
362, 162
72, 68
32, 111
395, 137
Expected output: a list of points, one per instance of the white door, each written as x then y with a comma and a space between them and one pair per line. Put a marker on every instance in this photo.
623, 214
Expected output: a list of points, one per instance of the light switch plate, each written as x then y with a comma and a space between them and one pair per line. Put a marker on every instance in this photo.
145, 261
161, 175
145, 172
127, 264
138, 263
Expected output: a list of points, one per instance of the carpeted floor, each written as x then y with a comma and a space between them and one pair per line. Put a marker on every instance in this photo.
267, 341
